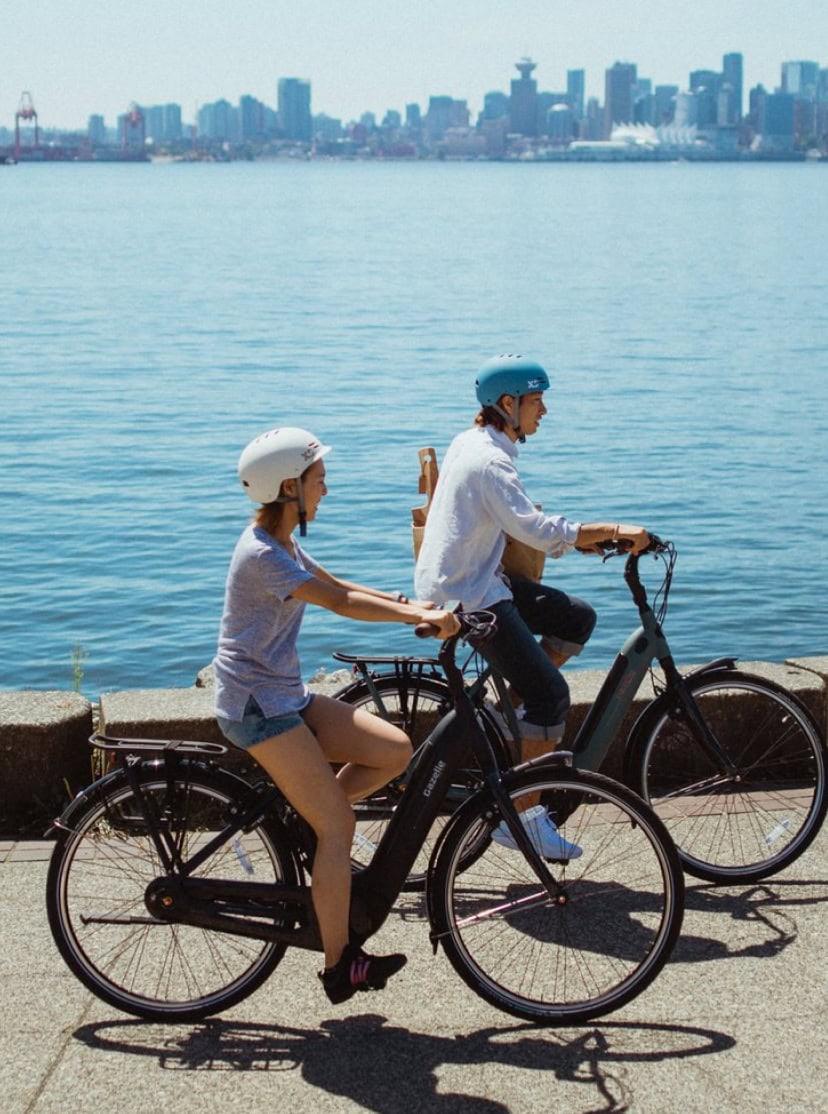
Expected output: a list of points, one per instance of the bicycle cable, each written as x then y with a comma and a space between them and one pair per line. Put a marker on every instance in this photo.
668, 556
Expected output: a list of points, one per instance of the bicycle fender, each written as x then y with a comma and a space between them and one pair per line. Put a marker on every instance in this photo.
656, 708
711, 666
553, 758
99, 790
93, 792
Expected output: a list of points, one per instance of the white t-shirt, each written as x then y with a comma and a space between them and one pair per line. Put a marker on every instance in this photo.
478, 499
257, 653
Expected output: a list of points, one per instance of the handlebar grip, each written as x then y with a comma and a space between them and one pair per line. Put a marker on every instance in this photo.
656, 544
425, 630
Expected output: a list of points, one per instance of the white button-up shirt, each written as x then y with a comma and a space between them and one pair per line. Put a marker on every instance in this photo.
479, 499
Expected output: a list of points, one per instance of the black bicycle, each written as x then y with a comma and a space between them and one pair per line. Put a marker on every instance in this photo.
175, 887
734, 764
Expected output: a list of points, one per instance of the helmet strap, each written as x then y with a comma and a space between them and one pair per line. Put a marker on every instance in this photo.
512, 419
303, 517
299, 498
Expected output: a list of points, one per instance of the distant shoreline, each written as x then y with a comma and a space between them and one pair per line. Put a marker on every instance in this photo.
107, 158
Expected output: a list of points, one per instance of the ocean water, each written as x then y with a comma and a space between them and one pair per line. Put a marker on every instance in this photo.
154, 318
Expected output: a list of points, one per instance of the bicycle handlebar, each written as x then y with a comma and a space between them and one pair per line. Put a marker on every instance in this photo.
622, 546
482, 623
479, 623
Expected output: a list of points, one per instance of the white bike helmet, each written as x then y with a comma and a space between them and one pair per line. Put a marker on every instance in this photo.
279, 455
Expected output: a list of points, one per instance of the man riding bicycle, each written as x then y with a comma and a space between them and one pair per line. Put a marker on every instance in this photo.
478, 501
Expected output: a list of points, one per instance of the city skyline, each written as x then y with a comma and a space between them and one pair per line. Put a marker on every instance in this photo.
77, 62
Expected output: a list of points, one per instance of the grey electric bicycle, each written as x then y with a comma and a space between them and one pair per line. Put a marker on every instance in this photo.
734, 764
175, 886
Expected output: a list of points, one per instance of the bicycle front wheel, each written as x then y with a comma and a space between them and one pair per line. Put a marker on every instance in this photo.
98, 878
753, 819
559, 961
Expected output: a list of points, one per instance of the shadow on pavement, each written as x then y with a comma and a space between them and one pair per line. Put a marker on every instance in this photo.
392, 1070
764, 913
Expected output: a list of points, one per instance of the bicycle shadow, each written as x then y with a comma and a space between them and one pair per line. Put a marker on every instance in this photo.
342, 1057
763, 910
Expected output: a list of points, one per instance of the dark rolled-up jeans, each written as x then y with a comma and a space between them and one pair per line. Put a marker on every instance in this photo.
563, 622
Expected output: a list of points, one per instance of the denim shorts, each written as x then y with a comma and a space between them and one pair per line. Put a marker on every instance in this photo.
255, 726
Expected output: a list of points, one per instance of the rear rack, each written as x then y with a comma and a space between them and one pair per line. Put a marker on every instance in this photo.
184, 746
383, 659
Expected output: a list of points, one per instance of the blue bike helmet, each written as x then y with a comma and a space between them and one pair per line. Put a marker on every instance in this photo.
509, 375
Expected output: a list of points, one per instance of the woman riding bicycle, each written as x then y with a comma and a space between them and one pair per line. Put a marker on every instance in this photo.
263, 705
479, 499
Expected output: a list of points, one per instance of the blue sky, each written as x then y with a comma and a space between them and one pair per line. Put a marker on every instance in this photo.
79, 57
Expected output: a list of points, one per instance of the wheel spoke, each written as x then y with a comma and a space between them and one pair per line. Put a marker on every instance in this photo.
97, 884
753, 823
561, 961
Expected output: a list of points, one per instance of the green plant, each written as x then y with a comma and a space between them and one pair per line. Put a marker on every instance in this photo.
79, 656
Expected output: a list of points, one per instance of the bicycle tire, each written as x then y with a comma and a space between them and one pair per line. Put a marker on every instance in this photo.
551, 962
416, 708
734, 829
97, 879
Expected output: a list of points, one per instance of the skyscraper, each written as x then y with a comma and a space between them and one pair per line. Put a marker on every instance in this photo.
294, 105
801, 79
619, 95
732, 76
575, 91
251, 119
777, 121
523, 102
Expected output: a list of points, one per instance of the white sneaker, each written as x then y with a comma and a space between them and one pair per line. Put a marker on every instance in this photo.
543, 833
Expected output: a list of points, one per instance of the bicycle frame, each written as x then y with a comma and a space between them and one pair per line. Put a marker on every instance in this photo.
245, 908
646, 644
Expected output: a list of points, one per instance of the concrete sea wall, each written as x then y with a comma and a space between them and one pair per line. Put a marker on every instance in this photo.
45, 757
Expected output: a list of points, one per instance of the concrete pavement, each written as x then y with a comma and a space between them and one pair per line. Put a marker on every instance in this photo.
736, 1022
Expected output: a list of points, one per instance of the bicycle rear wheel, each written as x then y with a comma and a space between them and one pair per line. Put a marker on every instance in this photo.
745, 824
98, 877
560, 962
416, 705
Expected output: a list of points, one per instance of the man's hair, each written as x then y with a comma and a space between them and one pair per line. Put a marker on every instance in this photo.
489, 416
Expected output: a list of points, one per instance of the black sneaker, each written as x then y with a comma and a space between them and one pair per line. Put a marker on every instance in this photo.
358, 971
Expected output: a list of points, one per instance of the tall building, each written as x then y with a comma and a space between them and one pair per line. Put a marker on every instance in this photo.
776, 121
705, 86
96, 130
665, 103
560, 123
495, 106
801, 79
523, 101
440, 117
219, 121
294, 107
686, 110
576, 92
252, 123
592, 125
163, 122
619, 95
732, 76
